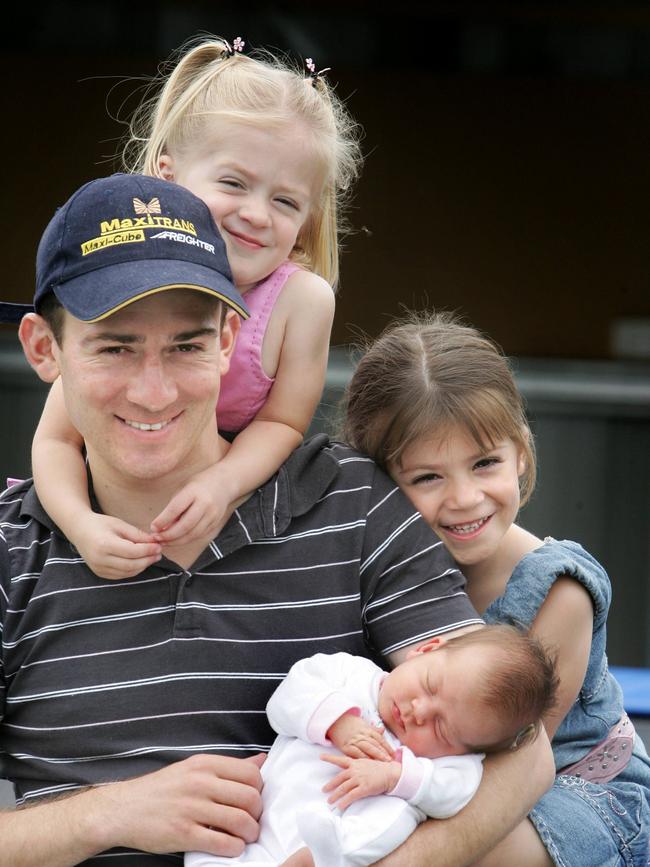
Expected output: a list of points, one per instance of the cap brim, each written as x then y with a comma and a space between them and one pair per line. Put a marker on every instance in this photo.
97, 294
14, 312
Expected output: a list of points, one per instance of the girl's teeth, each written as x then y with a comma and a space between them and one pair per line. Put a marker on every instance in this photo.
467, 528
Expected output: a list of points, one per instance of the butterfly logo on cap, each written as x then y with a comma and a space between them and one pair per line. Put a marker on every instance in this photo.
152, 207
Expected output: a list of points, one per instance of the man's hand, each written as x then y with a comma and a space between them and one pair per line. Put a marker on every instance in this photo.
360, 778
206, 803
357, 739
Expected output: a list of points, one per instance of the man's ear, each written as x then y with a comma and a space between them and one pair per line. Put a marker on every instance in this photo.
427, 647
229, 332
39, 346
166, 167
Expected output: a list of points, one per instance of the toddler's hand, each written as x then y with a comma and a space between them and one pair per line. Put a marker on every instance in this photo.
112, 548
358, 739
359, 778
198, 510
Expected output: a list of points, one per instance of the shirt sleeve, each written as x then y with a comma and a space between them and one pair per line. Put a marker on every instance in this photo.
5, 581
439, 787
315, 694
411, 587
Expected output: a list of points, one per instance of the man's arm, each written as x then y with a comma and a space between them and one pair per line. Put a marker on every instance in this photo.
209, 803
512, 783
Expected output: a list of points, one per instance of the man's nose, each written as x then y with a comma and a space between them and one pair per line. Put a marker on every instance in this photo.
151, 387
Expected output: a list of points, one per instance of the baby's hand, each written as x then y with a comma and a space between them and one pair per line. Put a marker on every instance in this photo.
112, 548
359, 778
358, 739
198, 510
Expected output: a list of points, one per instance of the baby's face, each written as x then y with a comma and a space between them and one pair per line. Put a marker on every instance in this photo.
429, 702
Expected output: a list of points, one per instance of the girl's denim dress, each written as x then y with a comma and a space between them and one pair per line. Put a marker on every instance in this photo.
581, 823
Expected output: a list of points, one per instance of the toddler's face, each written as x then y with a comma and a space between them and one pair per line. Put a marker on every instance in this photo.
260, 186
429, 702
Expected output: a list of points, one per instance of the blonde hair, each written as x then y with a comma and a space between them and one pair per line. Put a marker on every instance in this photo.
211, 84
519, 681
427, 375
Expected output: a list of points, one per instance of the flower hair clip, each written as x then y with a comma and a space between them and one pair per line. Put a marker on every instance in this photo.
237, 46
313, 75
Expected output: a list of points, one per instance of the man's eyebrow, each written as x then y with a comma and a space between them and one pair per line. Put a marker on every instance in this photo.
127, 339
113, 337
198, 332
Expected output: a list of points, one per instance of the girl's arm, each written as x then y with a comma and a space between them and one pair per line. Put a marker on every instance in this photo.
112, 548
202, 507
564, 624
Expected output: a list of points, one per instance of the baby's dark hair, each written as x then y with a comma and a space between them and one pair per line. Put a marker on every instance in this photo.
519, 681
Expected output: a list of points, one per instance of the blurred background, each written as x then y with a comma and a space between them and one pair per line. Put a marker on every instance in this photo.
507, 177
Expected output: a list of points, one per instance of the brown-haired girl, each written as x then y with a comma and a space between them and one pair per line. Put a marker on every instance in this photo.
434, 401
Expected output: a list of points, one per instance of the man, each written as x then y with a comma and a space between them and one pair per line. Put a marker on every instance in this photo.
133, 711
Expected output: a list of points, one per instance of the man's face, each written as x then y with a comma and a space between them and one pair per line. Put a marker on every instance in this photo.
141, 386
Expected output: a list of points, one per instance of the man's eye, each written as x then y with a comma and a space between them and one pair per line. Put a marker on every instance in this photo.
188, 347
113, 350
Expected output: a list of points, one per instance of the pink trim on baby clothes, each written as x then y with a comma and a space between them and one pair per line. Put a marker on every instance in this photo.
326, 714
411, 777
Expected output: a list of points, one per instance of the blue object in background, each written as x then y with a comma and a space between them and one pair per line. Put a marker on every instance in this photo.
635, 683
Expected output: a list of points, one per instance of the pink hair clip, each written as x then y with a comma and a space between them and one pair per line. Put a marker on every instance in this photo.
313, 75
237, 45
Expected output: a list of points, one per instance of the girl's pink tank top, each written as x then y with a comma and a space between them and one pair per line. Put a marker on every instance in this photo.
245, 387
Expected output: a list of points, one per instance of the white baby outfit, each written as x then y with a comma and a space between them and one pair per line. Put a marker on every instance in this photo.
315, 693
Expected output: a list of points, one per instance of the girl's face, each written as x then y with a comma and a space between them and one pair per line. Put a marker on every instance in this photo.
469, 497
260, 186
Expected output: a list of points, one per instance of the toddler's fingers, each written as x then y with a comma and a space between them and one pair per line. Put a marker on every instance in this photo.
174, 509
123, 567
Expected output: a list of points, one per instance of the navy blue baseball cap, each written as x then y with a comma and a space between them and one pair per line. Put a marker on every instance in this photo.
121, 238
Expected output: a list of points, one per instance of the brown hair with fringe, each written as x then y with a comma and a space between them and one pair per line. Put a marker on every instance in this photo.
427, 375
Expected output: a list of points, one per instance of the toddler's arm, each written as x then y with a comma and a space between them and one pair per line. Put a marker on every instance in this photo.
306, 309
111, 547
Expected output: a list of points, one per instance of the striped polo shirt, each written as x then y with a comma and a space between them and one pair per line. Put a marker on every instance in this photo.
103, 680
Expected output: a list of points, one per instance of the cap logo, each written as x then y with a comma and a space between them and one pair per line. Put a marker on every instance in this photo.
152, 208
131, 230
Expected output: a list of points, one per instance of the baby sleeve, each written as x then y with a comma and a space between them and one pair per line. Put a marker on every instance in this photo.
439, 787
315, 693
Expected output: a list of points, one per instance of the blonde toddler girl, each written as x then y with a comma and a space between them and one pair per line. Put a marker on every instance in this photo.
271, 150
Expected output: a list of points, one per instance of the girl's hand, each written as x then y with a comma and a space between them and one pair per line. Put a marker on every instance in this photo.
197, 511
359, 778
112, 548
358, 739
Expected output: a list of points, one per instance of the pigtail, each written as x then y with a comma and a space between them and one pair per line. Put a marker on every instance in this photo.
153, 127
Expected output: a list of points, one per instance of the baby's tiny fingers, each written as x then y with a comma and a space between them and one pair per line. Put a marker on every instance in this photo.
340, 761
